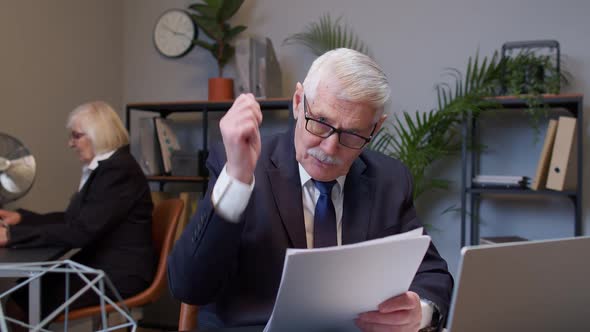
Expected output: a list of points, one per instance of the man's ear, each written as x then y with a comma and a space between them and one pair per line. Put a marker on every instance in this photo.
380, 123
297, 99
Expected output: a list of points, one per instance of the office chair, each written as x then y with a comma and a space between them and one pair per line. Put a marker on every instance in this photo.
187, 319
164, 222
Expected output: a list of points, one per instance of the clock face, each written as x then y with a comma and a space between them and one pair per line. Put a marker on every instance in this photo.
174, 33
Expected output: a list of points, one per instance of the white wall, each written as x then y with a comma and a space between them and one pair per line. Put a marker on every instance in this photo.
414, 41
55, 56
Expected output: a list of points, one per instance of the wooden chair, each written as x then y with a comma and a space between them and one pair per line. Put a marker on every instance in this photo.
164, 222
187, 319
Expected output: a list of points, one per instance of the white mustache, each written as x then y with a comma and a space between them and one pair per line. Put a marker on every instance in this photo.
317, 153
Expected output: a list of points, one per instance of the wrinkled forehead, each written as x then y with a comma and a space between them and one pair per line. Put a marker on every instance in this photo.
342, 112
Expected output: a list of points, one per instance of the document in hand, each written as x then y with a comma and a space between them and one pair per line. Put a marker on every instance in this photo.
325, 289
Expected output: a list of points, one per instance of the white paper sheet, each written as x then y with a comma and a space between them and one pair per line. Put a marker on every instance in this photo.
325, 289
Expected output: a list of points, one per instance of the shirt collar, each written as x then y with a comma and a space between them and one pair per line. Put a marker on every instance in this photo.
100, 157
305, 177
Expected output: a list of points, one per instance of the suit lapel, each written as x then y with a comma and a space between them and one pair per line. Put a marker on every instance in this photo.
359, 190
283, 174
77, 198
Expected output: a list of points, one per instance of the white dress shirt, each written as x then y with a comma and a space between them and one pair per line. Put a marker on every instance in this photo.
230, 198
87, 169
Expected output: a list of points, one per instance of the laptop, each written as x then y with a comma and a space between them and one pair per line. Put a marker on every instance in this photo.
525, 286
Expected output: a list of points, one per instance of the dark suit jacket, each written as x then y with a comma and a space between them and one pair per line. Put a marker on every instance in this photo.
236, 268
109, 219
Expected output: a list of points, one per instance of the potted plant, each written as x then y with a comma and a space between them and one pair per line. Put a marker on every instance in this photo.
529, 75
211, 17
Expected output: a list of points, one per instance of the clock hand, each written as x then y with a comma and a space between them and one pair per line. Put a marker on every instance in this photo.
169, 29
176, 33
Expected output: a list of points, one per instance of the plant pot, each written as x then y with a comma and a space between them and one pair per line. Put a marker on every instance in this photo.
221, 89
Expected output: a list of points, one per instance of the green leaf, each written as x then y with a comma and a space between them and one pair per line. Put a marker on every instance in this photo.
468, 74
224, 54
214, 3
233, 32
209, 26
205, 10
229, 9
204, 45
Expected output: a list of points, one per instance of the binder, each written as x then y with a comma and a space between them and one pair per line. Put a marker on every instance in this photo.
540, 179
563, 170
258, 68
149, 150
168, 142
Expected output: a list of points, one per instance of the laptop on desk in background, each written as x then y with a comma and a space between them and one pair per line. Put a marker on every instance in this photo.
527, 286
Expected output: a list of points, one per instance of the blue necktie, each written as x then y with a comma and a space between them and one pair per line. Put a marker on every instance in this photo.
324, 221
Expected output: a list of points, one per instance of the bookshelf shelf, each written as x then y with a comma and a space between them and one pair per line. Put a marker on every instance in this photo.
525, 191
471, 195
164, 109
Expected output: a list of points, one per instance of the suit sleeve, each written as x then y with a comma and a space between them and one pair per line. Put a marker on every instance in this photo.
111, 196
206, 253
433, 281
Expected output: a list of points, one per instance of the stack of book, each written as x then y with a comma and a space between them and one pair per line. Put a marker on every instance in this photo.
500, 181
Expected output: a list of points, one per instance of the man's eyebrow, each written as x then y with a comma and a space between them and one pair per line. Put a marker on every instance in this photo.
319, 114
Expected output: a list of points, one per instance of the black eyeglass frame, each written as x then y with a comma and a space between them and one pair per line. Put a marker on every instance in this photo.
333, 129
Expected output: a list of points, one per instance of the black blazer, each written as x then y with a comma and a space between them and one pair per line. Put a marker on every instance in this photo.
236, 268
109, 219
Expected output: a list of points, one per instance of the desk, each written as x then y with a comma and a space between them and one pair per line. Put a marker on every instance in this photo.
10, 256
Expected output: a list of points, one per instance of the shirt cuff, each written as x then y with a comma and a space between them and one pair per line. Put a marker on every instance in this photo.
230, 196
427, 311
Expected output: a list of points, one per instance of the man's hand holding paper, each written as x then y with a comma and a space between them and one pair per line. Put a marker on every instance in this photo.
398, 314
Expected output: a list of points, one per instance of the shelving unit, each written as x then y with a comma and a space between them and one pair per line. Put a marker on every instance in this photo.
470, 165
164, 109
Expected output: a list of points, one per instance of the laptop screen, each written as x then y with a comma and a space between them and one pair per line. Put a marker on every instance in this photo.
525, 286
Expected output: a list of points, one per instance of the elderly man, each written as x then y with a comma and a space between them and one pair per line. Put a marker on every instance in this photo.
312, 186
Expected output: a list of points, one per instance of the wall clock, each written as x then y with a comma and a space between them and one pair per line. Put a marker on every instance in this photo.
174, 33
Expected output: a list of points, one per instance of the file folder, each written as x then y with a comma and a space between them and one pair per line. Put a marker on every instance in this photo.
563, 170
259, 71
168, 142
543, 165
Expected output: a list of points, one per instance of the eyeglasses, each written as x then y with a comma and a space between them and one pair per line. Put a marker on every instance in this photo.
324, 130
76, 135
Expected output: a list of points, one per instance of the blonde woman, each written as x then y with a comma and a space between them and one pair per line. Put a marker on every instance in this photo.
109, 217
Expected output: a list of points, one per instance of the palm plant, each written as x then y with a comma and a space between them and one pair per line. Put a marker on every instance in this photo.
327, 34
420, 139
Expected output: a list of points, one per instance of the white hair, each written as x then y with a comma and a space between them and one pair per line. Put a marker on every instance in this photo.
360, 78
102, 124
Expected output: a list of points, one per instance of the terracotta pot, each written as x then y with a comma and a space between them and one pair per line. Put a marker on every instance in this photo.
221, 89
